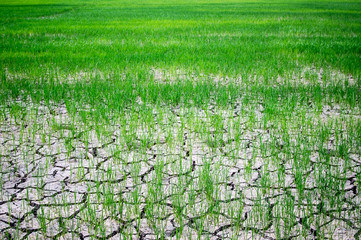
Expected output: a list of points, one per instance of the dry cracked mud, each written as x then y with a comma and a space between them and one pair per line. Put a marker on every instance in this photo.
61, 179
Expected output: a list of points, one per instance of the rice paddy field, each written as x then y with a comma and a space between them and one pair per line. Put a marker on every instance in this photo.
203, 119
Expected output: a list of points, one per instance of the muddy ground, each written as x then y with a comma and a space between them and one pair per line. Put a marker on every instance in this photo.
66, 182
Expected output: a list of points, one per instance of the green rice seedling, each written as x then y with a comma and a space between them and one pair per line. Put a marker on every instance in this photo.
42, 220
206, 180
208, 117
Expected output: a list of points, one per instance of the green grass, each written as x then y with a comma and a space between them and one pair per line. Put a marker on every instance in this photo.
180, 119
229, 38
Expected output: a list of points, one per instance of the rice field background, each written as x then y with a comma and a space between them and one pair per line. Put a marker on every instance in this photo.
153, 119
